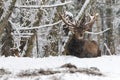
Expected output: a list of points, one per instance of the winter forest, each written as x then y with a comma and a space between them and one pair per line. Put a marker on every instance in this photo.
33, 28
59, 30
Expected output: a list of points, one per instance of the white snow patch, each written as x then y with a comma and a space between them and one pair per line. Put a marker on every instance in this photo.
108, 65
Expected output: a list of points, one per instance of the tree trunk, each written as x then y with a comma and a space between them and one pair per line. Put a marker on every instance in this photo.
6, 29
103, 27
4, 20
7, 41
28, 52
109, 24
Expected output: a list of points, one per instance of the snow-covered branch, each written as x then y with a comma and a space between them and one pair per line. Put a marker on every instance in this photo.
82, 10
23, 34
42, 26
97, 32
43, 6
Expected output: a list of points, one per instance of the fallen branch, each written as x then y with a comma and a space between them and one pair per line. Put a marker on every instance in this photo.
69, 68
97, 32
43, 6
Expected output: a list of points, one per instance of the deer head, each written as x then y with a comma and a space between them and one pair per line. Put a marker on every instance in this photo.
78, 28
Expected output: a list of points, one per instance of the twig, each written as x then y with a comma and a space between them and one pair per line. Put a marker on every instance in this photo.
107, 49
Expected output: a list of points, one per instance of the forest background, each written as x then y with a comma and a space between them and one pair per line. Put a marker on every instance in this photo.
34, 28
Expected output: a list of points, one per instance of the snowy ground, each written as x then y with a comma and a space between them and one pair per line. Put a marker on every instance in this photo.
60, 68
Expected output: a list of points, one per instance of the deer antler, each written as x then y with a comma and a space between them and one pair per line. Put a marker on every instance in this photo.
69, 23
89, 24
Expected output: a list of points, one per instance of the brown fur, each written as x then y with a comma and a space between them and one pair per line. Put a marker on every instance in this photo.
82, 48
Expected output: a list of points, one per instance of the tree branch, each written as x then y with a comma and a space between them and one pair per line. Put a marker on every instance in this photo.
43, 6
82, 11
107, 49
25, 28
97, 32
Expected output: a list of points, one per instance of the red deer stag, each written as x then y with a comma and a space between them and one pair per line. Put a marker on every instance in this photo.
77, 45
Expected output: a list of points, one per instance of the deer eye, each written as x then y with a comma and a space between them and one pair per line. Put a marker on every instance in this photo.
81, 34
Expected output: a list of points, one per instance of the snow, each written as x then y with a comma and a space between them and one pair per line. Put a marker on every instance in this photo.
107, 65
69, 14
